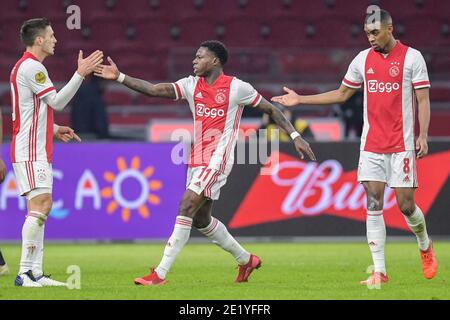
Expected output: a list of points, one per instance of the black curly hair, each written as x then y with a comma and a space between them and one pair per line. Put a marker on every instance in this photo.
218, 48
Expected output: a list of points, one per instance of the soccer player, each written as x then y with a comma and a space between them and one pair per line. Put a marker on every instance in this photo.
394, 75
33, 100
216, 101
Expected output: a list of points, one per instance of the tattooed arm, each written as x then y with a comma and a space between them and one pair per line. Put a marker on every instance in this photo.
278, 117
111, 72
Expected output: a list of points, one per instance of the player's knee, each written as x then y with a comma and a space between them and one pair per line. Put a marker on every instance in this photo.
47, 206
187, 208
44, 205
407, 207
374, 203
201, 222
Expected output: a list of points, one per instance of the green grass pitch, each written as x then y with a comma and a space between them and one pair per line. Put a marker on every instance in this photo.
290, 271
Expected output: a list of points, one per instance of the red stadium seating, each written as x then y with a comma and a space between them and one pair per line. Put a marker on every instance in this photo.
440, 94
7, 63
311, 64
116, 97
146, 100
154, 33
195, 31
288, 32
252, 63
245, 32
419, 28
5, 98
145, 66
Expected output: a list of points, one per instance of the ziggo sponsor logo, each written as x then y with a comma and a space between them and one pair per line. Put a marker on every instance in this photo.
376, 86
204, 111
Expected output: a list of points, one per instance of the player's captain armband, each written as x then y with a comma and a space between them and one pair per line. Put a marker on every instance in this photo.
294, 135
40, 77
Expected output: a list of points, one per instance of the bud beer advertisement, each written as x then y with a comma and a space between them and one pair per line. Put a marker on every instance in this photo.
301, 198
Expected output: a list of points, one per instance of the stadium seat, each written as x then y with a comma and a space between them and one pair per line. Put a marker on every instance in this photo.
334, 31
145, 66
250, 63
92, 8
248, 32
302, 9
10, 35
5, 98
181, 63
61, 67
439, 65
45, 8
7, 62
422, 30
311, 65
288, 32
106, 29
154, 33
194, 31
146, 100
440, 94
118, 97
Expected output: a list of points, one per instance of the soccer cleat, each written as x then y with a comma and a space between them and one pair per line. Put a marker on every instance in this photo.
4, 270
429, 262
45, 281
375, 278
26, 280
152, 279
246, 269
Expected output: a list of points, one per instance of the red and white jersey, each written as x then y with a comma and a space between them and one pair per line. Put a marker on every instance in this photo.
389, 100
217, 111
32, 138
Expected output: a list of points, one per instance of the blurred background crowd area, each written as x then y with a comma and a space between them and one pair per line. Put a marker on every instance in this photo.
306, 45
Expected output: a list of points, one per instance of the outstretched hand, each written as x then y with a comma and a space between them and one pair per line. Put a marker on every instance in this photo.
290, 99
303, 147
87, 65
110, 72
66, 134
421, 147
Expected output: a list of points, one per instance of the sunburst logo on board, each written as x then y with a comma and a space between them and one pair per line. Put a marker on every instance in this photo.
131, 189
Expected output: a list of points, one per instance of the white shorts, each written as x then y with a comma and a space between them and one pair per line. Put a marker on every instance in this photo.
397, 170
33, 175
203, 179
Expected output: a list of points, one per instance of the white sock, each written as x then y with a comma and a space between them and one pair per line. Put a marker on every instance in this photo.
32, 231
177, 240
37, 264
416, 223
219, 235
376, 238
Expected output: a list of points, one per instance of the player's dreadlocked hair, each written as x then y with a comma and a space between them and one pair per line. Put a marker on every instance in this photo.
218, 48
31, 29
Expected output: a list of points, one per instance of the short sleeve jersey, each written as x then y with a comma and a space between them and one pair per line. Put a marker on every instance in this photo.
389, 100
32, 138
217, 111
